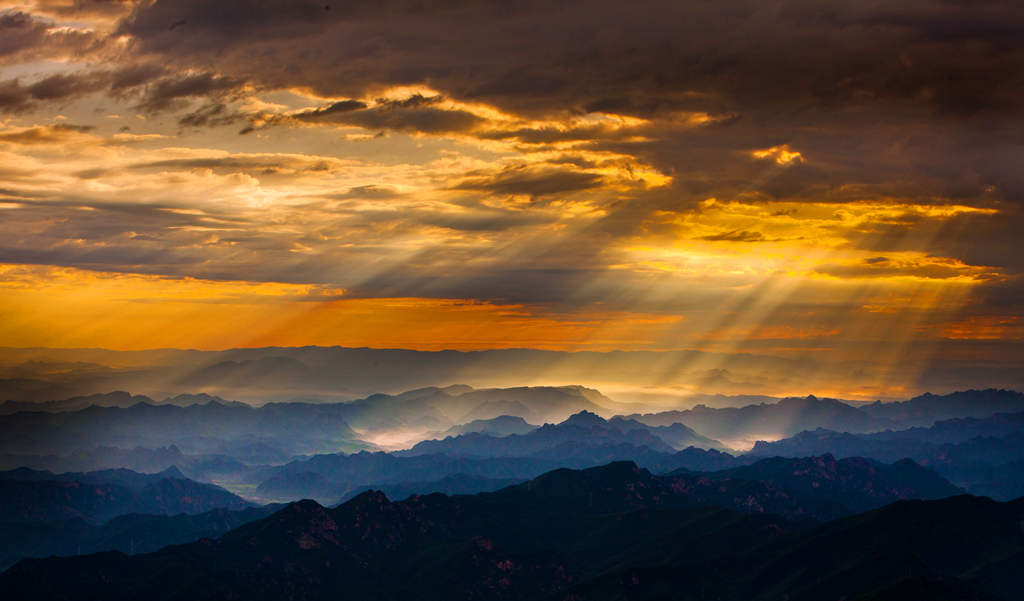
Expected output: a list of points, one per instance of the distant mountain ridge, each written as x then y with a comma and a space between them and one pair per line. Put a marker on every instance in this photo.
208, 428
583, 440
583, 427
502, 425
432, 406
929, 408
117, 398
265, 434
330, 373
257, 450
27, 495
785, 418
985, 455
119, 476
329, 426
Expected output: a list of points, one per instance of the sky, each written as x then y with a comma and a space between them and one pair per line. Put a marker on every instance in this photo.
838, 181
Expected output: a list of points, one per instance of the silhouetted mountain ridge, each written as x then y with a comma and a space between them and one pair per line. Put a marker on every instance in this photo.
929, 408
503, 425
582, 428
785, 418
615, 531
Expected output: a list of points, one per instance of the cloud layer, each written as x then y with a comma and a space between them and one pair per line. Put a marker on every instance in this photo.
770, 177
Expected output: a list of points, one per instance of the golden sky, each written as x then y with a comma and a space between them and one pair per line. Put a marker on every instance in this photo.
769, 180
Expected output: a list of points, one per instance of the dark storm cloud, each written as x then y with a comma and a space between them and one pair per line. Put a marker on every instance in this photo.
870, 268
550, 134
26, 36
975, 239
13, 96
16, 96
426, 120
62, 86
918, 100
415, 114
911, 102
19, 31
531, 181
151, 85
251, 164
954, 58
135, 75
123, 237
164, 93
211, 115
327, 113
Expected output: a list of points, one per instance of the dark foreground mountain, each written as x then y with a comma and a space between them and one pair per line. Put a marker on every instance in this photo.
614, 532
130, 533
960, 548
27, 495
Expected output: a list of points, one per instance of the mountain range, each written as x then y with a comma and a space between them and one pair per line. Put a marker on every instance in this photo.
117, 398
582, 427
612, 532
326, 373
816, 488
254, 450
586, 440
929, 408
583, 440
